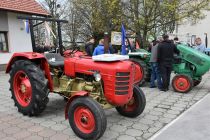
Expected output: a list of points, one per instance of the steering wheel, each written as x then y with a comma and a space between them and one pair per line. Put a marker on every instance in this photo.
75, 49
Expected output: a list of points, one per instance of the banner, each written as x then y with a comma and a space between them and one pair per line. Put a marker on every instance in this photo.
123, 49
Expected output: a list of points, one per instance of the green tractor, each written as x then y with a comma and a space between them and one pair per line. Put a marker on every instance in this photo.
189, 67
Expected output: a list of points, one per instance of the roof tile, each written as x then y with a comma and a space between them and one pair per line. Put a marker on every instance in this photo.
25, 6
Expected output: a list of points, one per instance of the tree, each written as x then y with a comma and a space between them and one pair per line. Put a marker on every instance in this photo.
144, 17
98, 16
56, 9
155, 17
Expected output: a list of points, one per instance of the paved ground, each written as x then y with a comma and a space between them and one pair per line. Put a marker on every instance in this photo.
160, 110
194, 122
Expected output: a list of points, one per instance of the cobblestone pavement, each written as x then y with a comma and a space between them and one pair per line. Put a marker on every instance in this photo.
160, 110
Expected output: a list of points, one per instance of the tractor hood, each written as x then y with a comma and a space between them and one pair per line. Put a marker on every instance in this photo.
88, 66
200, 60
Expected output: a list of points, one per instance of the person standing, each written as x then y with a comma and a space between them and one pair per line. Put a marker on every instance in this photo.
155, 75
129, 46
199, 45
100, 48
89, 47
165, 54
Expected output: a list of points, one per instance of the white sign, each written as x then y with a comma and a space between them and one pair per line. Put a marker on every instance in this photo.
116, 38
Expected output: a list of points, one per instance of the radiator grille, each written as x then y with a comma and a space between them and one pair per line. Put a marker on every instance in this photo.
122, 83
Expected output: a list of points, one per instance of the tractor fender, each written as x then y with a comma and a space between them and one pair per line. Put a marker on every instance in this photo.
137, 73
33, 57
76, 95
23, 56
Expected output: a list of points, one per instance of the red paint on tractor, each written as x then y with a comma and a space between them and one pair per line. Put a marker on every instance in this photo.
81, 55
78, 94
22, 56
76, 54
181, 84
108, 73
84, 120
22, 88
139, 75
45, 67
32, 56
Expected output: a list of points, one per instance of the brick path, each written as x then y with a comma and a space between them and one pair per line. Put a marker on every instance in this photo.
160, 110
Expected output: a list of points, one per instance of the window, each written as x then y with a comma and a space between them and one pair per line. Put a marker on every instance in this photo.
3, 42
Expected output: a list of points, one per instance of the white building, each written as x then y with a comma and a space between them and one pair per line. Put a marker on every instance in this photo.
13, 35
188, 32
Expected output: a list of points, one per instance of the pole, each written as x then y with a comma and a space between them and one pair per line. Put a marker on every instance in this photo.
42, 19
206, 40
106, 42
60, 42
32, 35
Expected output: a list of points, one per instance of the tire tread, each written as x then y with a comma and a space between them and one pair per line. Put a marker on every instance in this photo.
39, 87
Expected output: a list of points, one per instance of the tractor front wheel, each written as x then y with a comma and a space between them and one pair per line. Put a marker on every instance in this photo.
182, 83
87, 119
29, 88
135, 106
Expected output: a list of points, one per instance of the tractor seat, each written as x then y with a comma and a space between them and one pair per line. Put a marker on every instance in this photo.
54, 59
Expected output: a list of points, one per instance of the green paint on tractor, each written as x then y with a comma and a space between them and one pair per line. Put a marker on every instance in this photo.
192, 60
190, 65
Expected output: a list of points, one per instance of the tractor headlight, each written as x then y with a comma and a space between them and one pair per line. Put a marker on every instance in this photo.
97, 76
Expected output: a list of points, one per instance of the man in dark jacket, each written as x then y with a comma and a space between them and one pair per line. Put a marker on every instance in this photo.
89, 46
166, 51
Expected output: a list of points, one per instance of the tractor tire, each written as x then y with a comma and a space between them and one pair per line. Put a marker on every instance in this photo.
29, 88
182, 83
197, 82
136, 106
86, 118
144, 70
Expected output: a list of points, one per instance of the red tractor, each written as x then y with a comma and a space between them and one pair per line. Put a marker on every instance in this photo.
88, 85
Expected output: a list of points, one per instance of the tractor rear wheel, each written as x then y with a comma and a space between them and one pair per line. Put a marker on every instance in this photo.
197, 82
29, 88
182, 83
143, 70
87, 119
136, 105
